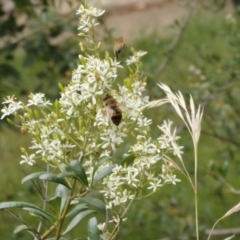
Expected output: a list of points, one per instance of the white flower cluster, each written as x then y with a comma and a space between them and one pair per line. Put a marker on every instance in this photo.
143, 173
89, 82
88, 15
11, 106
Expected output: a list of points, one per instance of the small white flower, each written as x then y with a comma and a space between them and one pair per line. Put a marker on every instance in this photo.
140, 54
132, 176
37, 99
155, 184
28, 159
116, 220
101, 226
105, 153
169, 178
132, 60
144, 122
135, 58
11, 106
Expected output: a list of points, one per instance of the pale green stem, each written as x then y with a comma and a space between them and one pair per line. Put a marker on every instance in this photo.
186, 174
44, 202
62, 218
149, 194
116, 228
196, 189
194, 185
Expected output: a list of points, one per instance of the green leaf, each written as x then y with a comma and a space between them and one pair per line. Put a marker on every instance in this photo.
51, 177
32, 176
128, 160
60, 198
60, 86
77, 219
77, 209
40, 213
56, 105
104, 172
99, 163
24, 227
79, 171
36, 114
55, 203
28, 207
20, 228
93, 231
4, 205
10, 121
95, 202
66, 174
65, 168
62, 192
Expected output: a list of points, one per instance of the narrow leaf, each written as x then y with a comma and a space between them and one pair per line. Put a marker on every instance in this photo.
55, 203
40, 213
93, 231
95, 202
65, 168
104, 172
80, 172
4, 205
10, 121
28, 207
77, 219
60, 86
128, 160
32, 176
51, 177
67, 175
77, 209
62, 192
23, 228
99, 163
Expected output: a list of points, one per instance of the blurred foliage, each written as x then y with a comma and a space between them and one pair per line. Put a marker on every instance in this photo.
206, 66
217, 5
38, 46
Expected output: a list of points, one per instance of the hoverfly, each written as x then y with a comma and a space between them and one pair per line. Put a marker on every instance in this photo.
119, 46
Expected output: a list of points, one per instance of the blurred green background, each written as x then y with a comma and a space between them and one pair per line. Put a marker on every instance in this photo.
39, 48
